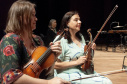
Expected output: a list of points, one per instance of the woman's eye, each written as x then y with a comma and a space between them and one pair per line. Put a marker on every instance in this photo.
33, 14
75, 20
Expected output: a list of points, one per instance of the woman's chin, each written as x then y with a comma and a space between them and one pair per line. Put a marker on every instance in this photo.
33, 28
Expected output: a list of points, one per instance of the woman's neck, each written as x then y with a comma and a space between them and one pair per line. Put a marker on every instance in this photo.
28, 43
74, 38
25, 35
73, 34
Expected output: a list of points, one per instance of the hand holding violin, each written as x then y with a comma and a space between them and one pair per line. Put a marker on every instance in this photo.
81, 60
93, 46
56, 47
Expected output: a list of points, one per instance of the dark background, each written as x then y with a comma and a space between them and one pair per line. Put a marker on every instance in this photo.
93, 13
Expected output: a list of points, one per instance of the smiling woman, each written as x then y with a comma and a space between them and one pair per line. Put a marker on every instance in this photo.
68, 64
17, 46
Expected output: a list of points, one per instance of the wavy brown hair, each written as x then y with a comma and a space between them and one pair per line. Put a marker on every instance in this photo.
66, 18
19, 17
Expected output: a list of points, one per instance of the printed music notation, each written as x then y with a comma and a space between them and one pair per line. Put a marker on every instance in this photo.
117, 31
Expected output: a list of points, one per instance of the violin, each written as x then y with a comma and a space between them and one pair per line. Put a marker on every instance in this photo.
42, 59
87, 49
89, 62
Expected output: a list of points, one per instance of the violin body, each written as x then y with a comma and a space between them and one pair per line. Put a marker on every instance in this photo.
41, 59
88, 62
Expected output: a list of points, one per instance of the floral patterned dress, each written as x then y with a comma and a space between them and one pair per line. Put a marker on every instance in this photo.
13, 55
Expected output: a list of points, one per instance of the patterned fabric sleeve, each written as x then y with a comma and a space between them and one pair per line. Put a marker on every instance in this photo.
10, 58
38, 40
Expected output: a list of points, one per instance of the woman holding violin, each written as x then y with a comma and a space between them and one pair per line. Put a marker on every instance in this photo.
17, 46
68, 64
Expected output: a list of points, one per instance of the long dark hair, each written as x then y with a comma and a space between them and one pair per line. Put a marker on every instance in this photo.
66, 18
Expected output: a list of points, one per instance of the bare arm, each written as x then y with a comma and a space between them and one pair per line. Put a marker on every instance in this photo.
29, 80
25, 79
63, 65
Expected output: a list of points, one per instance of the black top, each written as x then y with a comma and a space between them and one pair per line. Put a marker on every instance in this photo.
50, 36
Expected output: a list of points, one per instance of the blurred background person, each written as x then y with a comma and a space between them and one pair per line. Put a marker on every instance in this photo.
51, 32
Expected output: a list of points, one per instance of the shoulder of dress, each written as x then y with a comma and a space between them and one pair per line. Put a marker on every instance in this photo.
36, 36
11, 35
10, 38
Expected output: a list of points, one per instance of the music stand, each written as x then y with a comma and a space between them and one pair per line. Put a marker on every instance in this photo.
113, 24
124, 66
121, 43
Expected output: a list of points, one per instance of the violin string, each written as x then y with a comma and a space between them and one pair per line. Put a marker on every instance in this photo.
34, 67
44, 56
48, 51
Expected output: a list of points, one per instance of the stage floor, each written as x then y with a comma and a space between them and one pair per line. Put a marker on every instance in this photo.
110, 61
